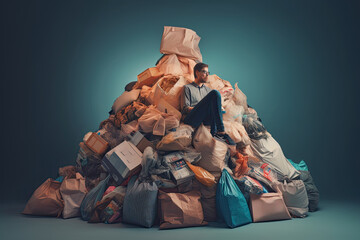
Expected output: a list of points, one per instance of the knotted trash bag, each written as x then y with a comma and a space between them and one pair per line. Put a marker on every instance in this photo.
140, 203
230, 202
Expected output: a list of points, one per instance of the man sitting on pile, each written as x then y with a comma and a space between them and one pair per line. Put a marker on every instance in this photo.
200, 104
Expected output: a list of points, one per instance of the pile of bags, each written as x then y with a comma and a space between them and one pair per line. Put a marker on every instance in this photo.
143, 166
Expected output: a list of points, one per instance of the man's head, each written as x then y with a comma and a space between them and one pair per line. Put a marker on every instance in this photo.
201, 72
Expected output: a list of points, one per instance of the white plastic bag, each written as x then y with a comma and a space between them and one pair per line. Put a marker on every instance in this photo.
237, 132
269, 151
157, 122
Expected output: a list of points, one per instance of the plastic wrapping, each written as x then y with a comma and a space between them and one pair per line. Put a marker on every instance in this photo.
249, 185
90, 200
254, 128
177, 140
202, 175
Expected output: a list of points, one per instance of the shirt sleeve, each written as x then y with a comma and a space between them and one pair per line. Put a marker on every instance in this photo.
185, 99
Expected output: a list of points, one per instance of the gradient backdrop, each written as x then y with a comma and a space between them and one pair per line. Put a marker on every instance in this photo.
65, 62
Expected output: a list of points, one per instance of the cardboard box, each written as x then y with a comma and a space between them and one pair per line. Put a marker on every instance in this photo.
139, 141
122, 161
148, 77
97, 144
180, 171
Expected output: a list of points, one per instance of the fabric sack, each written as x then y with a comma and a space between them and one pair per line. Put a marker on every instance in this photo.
46, 200
180, 210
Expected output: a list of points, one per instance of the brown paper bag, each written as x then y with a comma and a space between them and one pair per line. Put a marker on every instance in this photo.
180, 210
46, 200
268, 207
181, 41
73, 191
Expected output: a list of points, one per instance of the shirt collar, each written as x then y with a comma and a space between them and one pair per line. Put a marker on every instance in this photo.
195, 85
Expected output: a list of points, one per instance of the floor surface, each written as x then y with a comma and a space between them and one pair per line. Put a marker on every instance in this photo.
334, 220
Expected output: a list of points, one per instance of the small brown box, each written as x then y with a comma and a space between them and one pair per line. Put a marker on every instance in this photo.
148, 77
97, 144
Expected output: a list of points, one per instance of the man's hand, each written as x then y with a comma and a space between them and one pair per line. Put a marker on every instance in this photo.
188, 109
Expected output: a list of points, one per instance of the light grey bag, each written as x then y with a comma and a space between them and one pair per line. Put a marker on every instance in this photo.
295, 197
140, 203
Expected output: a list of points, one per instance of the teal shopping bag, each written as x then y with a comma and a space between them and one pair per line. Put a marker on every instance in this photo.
230, 202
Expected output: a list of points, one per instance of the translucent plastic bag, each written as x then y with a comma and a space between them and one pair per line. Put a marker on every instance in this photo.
88, 204
202, 175
254, 128
157, 122
262, 172
237, 132
177, 140
233, 112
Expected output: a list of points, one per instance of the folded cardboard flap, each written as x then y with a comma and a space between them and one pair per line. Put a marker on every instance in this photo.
148, 77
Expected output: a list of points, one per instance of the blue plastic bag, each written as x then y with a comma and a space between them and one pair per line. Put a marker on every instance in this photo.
88, 204
231, 205
299, 166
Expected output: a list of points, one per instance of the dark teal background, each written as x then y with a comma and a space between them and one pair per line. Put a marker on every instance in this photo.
65, 62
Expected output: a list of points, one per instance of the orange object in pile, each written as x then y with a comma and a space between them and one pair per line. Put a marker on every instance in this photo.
241, 165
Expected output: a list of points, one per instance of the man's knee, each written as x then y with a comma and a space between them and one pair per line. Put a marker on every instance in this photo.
215, 93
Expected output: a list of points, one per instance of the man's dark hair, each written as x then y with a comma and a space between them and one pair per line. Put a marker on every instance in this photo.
198, 67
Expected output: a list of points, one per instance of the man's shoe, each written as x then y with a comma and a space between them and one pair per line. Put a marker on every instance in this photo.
225, 138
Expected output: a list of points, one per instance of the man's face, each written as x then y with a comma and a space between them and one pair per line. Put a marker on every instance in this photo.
203, 75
